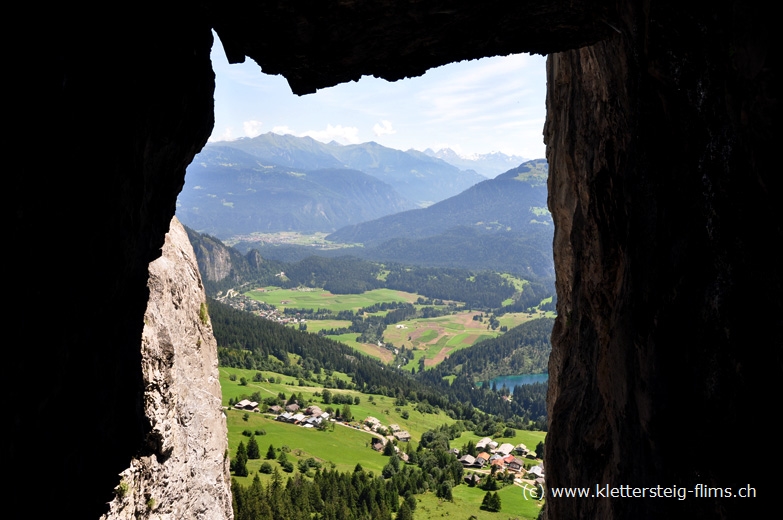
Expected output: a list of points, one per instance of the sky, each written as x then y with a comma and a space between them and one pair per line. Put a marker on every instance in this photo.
473, 107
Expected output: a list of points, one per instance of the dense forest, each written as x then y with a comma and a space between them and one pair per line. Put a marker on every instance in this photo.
359, 495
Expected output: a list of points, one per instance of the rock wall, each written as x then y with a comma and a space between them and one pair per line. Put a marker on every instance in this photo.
186, 471
662, 188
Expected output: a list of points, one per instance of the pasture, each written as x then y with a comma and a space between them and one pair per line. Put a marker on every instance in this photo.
467, 501
430, 338
319, 299
435, 338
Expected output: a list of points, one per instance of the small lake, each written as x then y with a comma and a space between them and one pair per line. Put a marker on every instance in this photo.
523, 379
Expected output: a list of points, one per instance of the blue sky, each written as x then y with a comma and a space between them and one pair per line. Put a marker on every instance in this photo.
479, 106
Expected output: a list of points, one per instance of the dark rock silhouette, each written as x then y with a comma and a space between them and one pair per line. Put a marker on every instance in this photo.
661, 142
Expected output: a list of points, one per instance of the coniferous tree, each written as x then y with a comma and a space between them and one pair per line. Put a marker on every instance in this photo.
240, 462
252, 448
495, 502
404, 512
270, 453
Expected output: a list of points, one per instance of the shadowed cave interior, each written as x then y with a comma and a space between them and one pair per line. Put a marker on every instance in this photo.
660, 136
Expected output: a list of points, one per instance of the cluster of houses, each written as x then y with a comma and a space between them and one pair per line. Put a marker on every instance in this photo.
278, 317
503, 456
310, 418
373, 424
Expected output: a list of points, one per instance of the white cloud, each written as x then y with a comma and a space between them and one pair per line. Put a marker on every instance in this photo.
283, 130
339, 133
385, 128
227, 135
252, 128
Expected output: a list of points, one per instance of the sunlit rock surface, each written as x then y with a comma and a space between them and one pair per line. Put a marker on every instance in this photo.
186, 474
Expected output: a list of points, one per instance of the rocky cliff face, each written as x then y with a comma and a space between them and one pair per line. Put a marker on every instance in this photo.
213, 257
185, 472
659, 141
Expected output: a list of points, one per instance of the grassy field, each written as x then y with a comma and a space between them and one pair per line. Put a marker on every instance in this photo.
435, 338
381, 407
432, 338
328, 447
318, 298
467, 501
316, 325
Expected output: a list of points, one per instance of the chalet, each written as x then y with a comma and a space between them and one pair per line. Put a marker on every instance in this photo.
483, 443
521, 449
536, 471
515, 465
482, 459
244, 404
275, 409
467, 460
292, 408
372, 422
498, 462
505, 448
402, 436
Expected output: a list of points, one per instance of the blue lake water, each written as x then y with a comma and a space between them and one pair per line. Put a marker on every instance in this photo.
523, 379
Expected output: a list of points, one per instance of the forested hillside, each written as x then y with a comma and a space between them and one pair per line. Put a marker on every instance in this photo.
514, 201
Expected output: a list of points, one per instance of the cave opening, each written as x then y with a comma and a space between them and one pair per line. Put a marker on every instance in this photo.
662, 137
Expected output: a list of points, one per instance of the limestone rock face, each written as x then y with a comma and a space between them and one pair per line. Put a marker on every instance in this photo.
214, 260
186, 473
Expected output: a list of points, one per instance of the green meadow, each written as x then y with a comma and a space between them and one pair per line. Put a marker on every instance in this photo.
467, 503
431, 338
342, 446
381, 406
320, 299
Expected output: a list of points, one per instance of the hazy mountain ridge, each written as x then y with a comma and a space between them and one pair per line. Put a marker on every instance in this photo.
514, 201
489, 164
417, 177
230, 192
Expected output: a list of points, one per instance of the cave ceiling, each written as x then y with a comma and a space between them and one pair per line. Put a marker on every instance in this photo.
318, 44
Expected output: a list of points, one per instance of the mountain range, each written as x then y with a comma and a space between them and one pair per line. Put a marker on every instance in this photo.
418, 177
499, 224
230, 192
513, 201
489, 164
